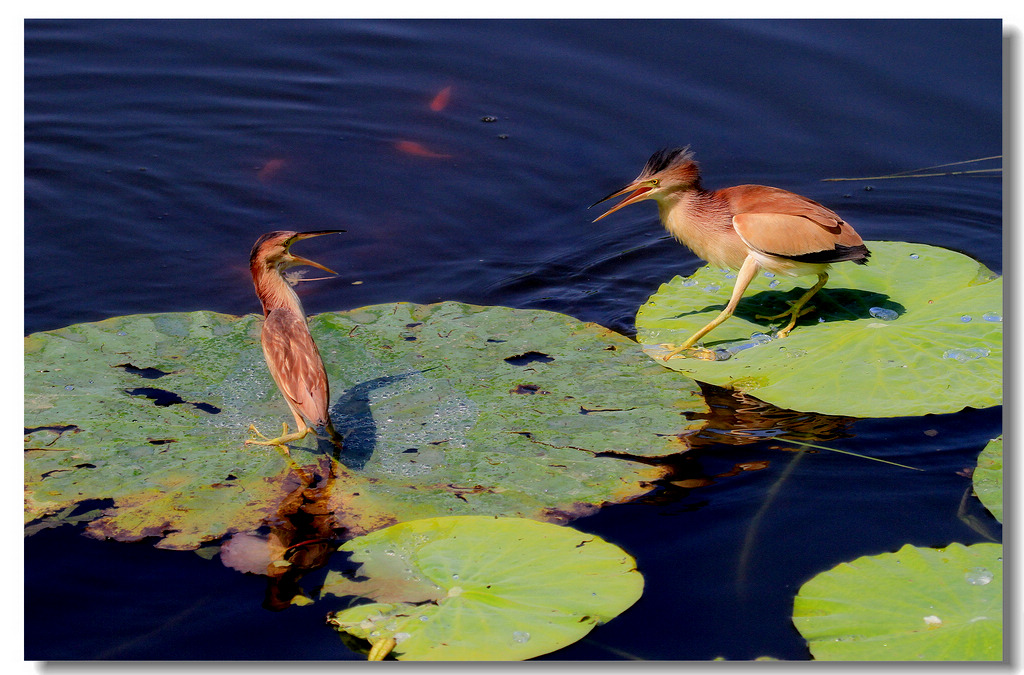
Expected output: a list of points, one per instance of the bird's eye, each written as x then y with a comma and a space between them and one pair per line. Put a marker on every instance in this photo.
655, 181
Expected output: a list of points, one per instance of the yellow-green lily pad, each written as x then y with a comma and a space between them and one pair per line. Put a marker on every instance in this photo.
482, 588
917, 604
916, 330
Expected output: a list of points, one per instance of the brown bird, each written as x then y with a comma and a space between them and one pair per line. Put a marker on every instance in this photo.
746, 227
291, 355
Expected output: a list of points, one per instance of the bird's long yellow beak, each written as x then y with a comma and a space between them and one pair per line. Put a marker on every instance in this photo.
299, 260
638, 191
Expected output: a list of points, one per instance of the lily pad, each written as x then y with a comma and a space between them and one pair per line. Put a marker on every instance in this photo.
482, 588
988, 477
917, 604
447, 409
917, 330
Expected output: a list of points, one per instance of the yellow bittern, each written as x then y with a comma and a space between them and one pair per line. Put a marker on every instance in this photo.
292, 356
747, 228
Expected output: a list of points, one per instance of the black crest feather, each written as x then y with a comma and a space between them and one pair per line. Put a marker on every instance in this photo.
665, 158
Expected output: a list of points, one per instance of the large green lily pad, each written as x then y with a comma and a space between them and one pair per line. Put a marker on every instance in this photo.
917, 604
447, 409
482, 588
988, 477
917, 330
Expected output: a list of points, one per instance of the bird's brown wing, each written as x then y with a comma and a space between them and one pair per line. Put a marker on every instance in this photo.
782, 234
294, 362
782, 223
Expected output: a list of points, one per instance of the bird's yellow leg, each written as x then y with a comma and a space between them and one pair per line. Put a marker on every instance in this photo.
797, 309
284, 439
743, 279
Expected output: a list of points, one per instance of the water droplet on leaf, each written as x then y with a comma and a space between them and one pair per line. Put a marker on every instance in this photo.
979, 576
968, 354
883, 313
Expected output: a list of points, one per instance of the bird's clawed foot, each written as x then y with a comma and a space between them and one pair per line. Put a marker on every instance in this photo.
266, 441
281, 444
794, 312
281, 441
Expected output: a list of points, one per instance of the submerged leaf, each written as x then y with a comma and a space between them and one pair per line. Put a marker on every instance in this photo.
988, 477
917, 604
439, 412
917, 330
482, 588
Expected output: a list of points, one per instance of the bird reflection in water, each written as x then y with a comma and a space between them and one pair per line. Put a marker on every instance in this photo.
738, 419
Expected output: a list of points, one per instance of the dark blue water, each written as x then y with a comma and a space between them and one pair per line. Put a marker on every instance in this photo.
156, 152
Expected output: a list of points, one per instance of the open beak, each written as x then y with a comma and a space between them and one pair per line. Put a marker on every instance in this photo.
299, 260
638, 191
296, 260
